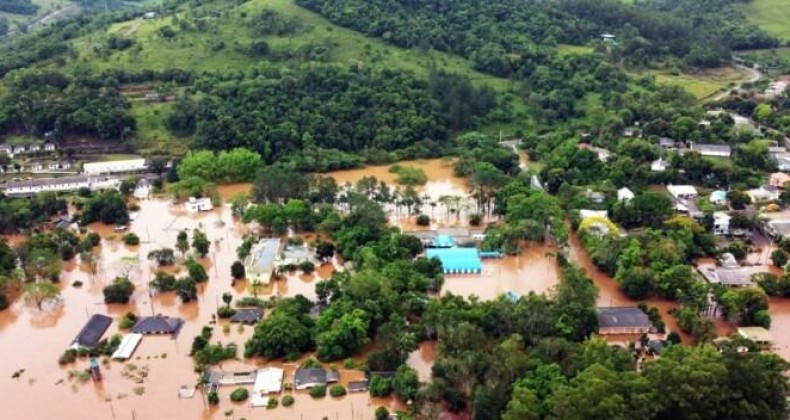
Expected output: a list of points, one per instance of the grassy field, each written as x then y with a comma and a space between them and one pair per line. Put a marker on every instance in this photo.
44, 7
773, 16
566, 49
700, 84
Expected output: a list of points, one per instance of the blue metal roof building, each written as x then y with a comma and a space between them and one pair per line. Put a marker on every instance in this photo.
457, 260
444, 241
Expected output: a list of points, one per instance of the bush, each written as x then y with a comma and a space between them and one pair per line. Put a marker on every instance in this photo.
382, 413
213, 398
762, 318
68, 356
307, 267
239, 394
423, 220
779, 258
119, 291
318, 391
131, 239
271, 404
288, 401
337, 390
93, 239
475, 219
225, 312
127, 321
237, 270
380, 387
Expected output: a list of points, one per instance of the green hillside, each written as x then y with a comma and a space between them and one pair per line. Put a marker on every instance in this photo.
223, 46
773, 16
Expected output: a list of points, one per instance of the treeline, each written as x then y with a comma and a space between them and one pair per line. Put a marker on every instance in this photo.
37, 102
315, 114
20, 7
509, 35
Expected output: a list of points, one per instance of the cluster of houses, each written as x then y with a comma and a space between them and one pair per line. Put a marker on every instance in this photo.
94, 176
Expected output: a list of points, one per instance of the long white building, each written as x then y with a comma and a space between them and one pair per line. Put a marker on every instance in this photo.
68, 183
116, 166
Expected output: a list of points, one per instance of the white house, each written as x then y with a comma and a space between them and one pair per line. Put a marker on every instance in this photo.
764, 194
624, 195
35, 148
149, 15
49, 147
117, 166
6, 149
682, 192
586, 214
259, 265
37, 167
19, 149
194, 205
721, 223
659, 165
608, 38
603, 154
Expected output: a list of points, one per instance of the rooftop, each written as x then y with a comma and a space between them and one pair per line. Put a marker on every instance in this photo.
756, 334
622, 317
711, 148
262, 256
680, 190
158, 324
303, 377
457, 260
93, 330
730, 276
247, 316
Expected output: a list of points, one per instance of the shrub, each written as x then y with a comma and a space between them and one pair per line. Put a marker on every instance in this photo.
288, 401
237, 270
93, 239
318, 391
271, 404
382, 413
131, 239
68, 356
337, 390
307, 267
213, 398
380, 387
127, 321
119, 291
226, 329
239, 394
475, 219
779, 258
225, 312
77, 283
423, 220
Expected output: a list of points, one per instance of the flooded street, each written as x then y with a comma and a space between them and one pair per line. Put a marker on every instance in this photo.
33, 340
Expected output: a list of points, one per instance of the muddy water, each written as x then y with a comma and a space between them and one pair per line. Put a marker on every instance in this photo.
422, 359
32, 340
534, 270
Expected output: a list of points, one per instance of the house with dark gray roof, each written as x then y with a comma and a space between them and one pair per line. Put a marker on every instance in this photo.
92, 332
308, 378
157, 325
358, 386
247, 315
623, 320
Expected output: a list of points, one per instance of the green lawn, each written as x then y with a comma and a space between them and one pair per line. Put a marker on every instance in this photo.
566, 49
702, 84
773, 16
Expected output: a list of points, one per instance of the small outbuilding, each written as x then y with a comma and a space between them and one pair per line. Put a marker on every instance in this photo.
759, 335
358, 386
625, 195
682, 192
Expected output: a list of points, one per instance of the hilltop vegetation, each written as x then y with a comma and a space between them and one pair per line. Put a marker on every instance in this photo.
771, 16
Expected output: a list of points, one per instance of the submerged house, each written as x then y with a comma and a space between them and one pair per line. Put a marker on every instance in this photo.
91, 333
260, 264
308, 378
247, 316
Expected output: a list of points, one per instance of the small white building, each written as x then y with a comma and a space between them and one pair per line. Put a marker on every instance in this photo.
603, 154
150, 15
194, 205
37, 167
721, 223
49, 147
35, 148
586, 214
19, 149
659, 165
6, 149
608, 38
116, 166
718, 197
682, 192
625, 195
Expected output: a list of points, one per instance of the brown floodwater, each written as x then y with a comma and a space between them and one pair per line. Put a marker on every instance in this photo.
32, 340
